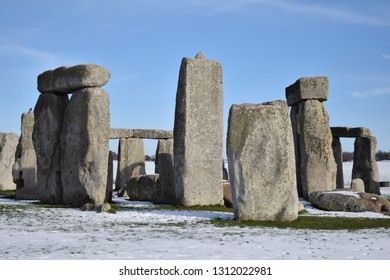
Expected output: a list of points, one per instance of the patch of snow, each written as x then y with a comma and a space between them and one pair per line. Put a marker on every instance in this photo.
348, 193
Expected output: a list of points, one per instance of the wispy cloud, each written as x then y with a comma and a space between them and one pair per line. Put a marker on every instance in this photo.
385, 56
373, 92
26, 52
295, 7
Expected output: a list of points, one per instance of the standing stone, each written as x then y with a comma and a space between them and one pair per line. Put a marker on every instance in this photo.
365, 165
48, 119
315, 161
165, 168
357, 185
338, 156
8, 143
84, 147
131, 160
260, 151
198, 133
24, 171
110, 177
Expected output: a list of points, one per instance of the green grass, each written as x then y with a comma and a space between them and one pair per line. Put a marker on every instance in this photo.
8, 193
313, 222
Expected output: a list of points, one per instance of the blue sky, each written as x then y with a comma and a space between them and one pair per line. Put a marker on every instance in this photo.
263, 46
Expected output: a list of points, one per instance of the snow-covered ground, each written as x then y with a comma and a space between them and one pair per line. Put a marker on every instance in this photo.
137, 231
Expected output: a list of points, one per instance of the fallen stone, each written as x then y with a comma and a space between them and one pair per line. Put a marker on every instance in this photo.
350, 202
144, 188
70, 79
260, 151
8, 144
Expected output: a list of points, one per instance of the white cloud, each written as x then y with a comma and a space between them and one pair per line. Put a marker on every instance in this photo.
373, 92
26, 52
385, 56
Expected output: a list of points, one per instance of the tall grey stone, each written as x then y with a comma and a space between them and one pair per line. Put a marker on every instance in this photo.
69, 79
164, 166
8, 144
131, 160
365, 166
315, 161
110, 177
260, 151
48, 120
84, 147
198, 133
338, 156
24, 171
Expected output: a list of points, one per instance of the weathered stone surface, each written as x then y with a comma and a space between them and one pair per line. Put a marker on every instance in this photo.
227, 194
24, 171
350, 202
48, 119
350, 132
117, 133
165, 168
105, 207
131, 161
338, 156
260, 151
153, 134
313, 88
198, 133
144, 188
84, 147
110, 177
70, 79
365, 165
8, 144
357, 185
316, 164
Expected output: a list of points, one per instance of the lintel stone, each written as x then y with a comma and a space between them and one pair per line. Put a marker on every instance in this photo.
307, 89
116, 133
70, 79
350, 132
153, 134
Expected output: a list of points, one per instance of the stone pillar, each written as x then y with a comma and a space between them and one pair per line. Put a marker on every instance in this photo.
84, 147
313, 137
165, 169
198, 133
71, 140
24, 171
48, 115
8, 144
338, 156
260, 151
110, 178
131, 160
365, 166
